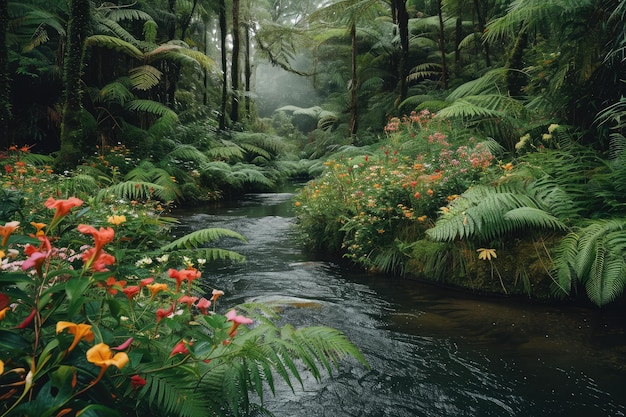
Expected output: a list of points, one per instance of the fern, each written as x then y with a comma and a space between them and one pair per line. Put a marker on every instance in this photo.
201, 237
113, 42
594, 256
135, 190
173, 392
144, 77
150, 106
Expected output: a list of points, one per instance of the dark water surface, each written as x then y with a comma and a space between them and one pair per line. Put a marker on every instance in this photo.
433, 352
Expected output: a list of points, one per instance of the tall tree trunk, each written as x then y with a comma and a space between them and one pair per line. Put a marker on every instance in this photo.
353, 85
248, 71
234, 66
73, 144
442, 47
5, 104
402, 19
184, 26
482, 22
223, 32
515, 80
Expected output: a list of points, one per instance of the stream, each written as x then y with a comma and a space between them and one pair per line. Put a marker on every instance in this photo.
432, 351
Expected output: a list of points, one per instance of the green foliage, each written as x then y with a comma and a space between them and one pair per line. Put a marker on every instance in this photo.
593, 255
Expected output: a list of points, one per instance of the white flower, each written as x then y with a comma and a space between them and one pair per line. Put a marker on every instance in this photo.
201, 261
546, 136
163, 259
552, 127
143, 261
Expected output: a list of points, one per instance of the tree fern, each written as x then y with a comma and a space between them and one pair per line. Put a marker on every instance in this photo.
135, 190
150, 106
144, 77
113, 42
173, 392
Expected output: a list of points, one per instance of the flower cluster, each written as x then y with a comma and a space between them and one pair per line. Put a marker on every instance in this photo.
72, 323
393, 193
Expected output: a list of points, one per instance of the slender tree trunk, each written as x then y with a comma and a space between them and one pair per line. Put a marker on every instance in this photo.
442, 48
402, 20
248, 71
223, 32
353, 85
515, 80
234, 66
5, 101
185, 25
73, 144
482, 22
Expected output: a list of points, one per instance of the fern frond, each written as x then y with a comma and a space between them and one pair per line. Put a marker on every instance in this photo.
164, 391
201, 237
134, 190
144, 77
112, 42
188, 153
150, 106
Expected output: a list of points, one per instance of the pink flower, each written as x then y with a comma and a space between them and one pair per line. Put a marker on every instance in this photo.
146, 281
237, 320
124, 345
36, 261
203, 305
187, 300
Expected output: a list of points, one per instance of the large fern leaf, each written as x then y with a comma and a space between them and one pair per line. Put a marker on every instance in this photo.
201, 237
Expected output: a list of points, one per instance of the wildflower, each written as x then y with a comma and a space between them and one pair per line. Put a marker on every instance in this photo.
546, 136
188, 274
181, 347
186, 299
3, 314
422, 218
552, 128
101, 237
216, 294
137, 382
100, 263
36, 261
80, 331
112, 285
131, 291
1, 367
146, 281
507, 167
237, 320
203, 305
163, 259
143, 261
124, 345
201, 261
62, 207
7, 230
430, 192
116, 220
417, 195
162, 313
156, 288
39, 228
102, 356
486, 254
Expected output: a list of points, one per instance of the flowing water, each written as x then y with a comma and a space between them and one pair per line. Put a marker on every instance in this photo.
433, 352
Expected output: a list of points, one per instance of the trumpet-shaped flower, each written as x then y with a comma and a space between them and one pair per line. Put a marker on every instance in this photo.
62, 207
237, 320
156, 288
146, 281
181, 347
124, 345
137, 382
203, 305
216, 294
7, 230
181, 275
131, 291
80, 331
162, 313
102, 356
186, 299
3, 313
101, 236
35, 260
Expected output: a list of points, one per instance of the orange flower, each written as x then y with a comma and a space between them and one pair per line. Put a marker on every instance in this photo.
7, 229
80, 331
156, 288
116, 220
39, 227
216, 294
184, 274
186, 299
62, 207
113, 285
101, 237
131, 291
102, 356
3, 314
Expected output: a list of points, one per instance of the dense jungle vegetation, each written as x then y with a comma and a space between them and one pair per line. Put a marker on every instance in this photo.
478, 144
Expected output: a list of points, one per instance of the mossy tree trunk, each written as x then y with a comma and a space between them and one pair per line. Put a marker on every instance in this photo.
223, 33
234, 66
5, 104
401, 18
73, 144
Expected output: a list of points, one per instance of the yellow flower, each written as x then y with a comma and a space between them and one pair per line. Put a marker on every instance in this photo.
297, 204
552, 128
1, 367
116, 220
486, 254
156, 288
3, 314
422, 218
80, 331
102, 356
39, 227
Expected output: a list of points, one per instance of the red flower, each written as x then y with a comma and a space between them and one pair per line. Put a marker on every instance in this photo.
137, 382
100, 263
62, 207
183, 275
36, 261
161, 313
188, 300
146, 281
113, 285
131, 291
181, 347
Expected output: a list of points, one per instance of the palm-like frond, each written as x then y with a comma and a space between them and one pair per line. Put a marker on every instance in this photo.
112, 42
188, 153
594, 256
114, 92
485, 213
173, 392
135, 190
147, 172
144, 77
201, 237
150, 106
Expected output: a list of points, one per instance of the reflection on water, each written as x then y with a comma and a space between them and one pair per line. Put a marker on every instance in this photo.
433, 352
